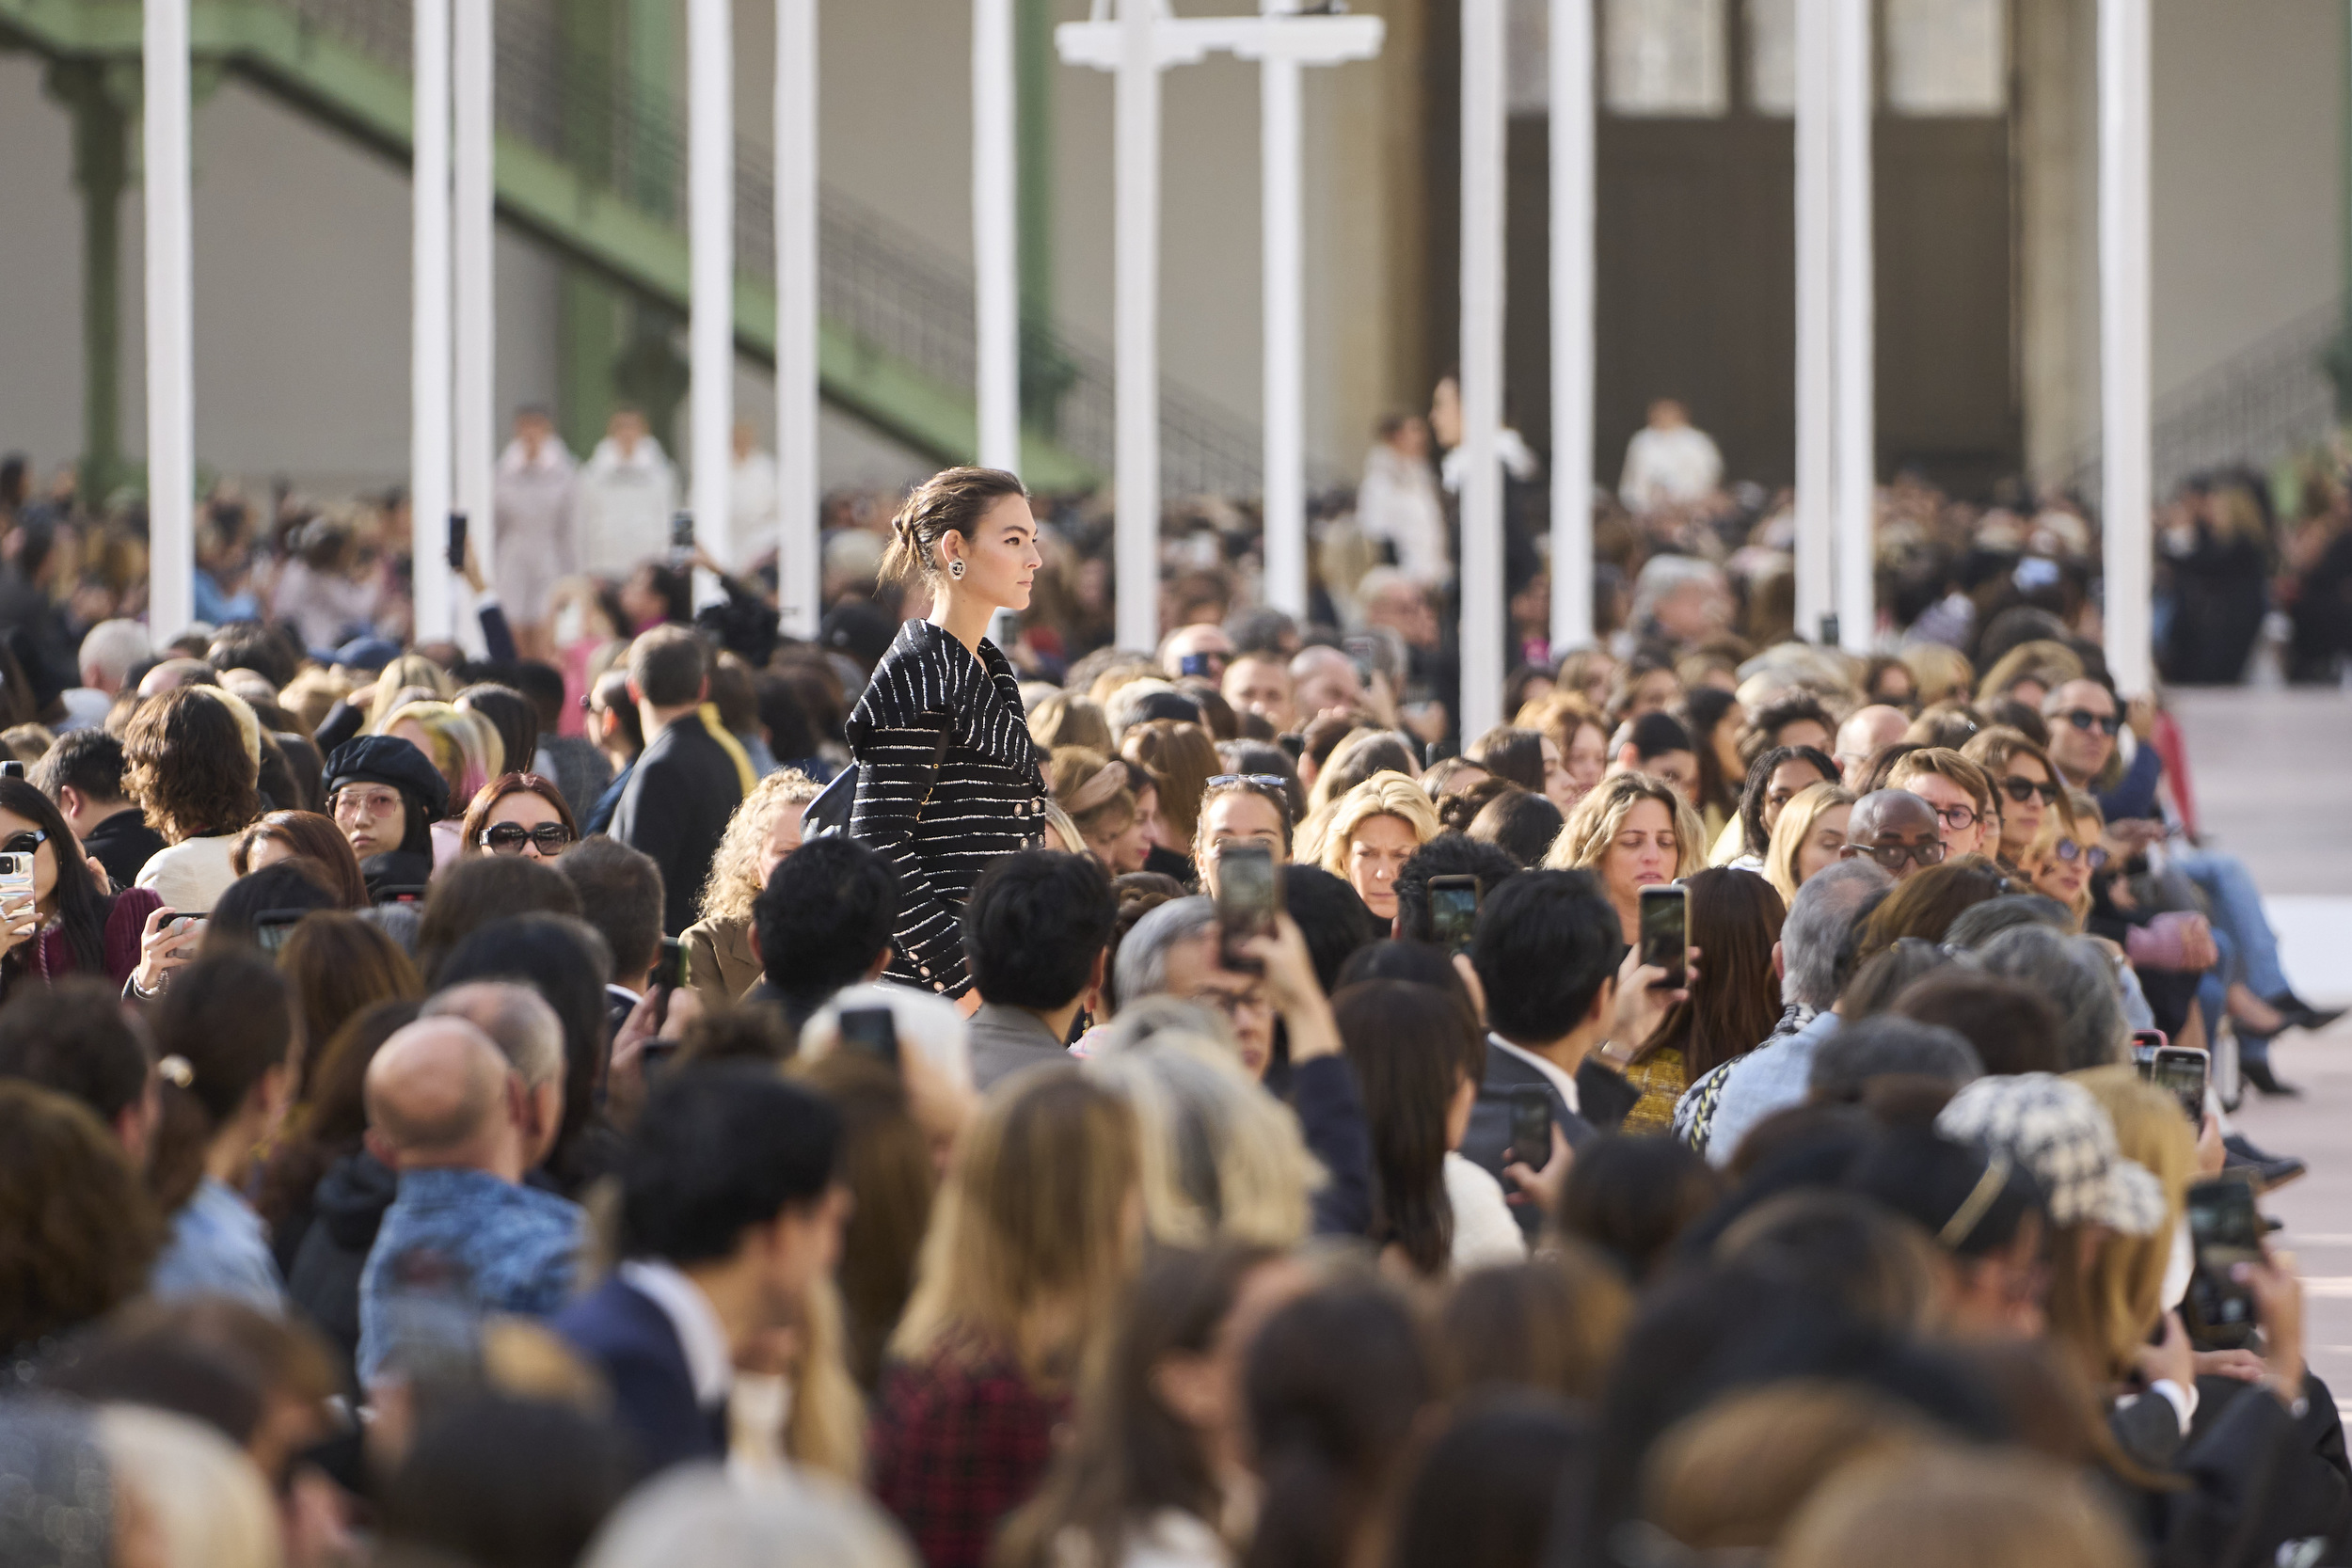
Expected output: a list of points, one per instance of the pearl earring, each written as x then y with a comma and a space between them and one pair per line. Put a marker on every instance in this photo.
955, 570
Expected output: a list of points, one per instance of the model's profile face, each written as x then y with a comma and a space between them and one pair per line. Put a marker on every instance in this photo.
1000, 556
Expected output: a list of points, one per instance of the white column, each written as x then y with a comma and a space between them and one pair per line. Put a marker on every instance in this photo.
475, 425
711, 241
799, 570
1816, 312
1483, 108
170, 306
2126, 462
996, 233
1284, 326
1572, 208
1856, 443
429, 322
1136, 556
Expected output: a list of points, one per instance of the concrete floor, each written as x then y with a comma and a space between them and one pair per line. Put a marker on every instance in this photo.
2272, 771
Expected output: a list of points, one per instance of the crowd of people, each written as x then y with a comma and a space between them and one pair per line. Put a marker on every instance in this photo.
655, 1091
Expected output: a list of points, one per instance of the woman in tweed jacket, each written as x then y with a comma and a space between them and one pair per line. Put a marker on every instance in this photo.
947, 776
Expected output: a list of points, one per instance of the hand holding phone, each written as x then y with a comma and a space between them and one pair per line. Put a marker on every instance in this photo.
1531, 1127
1665, 921
2226, 1231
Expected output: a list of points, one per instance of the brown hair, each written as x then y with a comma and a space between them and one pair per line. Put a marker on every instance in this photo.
1072, 775
1181, 759
1551, 1323
1945, 762
1925, 904
1942, 1506
1732, 1476
77, 1233
1735, 918
312, 837
337, 966
335, 1116
488, 798
952, 501
184, 761
886, 1164
226, 1022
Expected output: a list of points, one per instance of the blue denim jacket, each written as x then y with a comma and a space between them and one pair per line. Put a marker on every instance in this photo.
472, 1238
218, 1248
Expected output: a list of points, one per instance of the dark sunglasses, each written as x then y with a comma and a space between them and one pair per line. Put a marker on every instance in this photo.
1892, 856
508, 838
2067, 849
24, 843
2022, 789
2086, 721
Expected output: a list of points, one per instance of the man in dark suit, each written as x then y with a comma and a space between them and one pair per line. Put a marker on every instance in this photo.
82, 775
729, 1209
1551, 957
686, 785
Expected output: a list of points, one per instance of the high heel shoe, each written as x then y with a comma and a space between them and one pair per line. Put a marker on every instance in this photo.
2259, 1074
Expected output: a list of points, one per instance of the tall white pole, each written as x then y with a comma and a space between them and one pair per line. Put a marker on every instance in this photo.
1284, 325
711, 241
473, 71
798, 568
429, 322
2127, 480
170, 309
1483, 124
1816, 315
1855, 462
1137, 526
996, 233
1572, 208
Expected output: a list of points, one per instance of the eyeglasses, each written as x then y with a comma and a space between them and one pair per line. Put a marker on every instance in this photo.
2021, 789
2094, 856
349, 804
1959, 818
508, 838
1251, 781
2086, 721
24, 843
1892, 856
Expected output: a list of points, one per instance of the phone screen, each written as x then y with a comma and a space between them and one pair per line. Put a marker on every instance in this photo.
2226, 1230
670, 970
2182, 1070
872, 1031
272, 927
1248, 895
457, 540
1531, 1126
1453, 912
11, 770
1665, 923
1194, 664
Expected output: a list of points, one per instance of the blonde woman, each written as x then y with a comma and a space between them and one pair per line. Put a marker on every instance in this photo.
764, 831
1061, 719
1633, 832
1373, 830
2067, 853
1810, 836
1098, 793
1032, 1242
464, 748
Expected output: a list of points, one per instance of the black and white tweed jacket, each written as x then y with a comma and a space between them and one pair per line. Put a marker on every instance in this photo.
947, 780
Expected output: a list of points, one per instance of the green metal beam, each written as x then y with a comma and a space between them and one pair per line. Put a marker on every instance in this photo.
566, 208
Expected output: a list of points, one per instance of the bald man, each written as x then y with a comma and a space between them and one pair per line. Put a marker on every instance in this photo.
529, 1034
1898, 830
449, 1113
1862, 734
1325, 680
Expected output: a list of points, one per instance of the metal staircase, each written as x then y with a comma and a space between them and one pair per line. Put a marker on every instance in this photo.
595, 170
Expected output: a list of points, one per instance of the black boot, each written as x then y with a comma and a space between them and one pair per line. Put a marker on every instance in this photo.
2269, 1170
2258, 1073
2300, 1014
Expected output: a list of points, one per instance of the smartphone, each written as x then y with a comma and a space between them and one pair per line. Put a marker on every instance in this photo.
1249, 895
873, 1031
1665, 933
681, 539
1531, 1126
1194, 664
1365, 650
1453, 912
2183, 1069
457, 540
669, 971
16, 877
2145, 1045
11, 770
271, 926
2225, 1230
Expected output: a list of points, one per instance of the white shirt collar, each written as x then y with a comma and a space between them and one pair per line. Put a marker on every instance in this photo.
1563, 1082
709, 1361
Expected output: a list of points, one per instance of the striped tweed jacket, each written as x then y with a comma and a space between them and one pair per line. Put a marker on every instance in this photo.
947, 781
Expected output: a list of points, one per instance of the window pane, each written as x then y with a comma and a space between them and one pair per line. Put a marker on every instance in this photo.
1946, 57
1665, 58
1772, 57
1529, 65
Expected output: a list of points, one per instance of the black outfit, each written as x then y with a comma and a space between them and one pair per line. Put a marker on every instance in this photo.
1487, 1140
122, 842
947, 781
324, 1279
388, 760
676, 809
628, 1338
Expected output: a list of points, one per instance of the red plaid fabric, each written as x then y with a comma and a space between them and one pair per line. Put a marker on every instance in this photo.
958, 1442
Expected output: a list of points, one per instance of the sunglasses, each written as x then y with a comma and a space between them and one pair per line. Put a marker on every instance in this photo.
2022, 789
24, 843
1892, 856
1252, 780
508, 838
2067, 849
2086, 721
